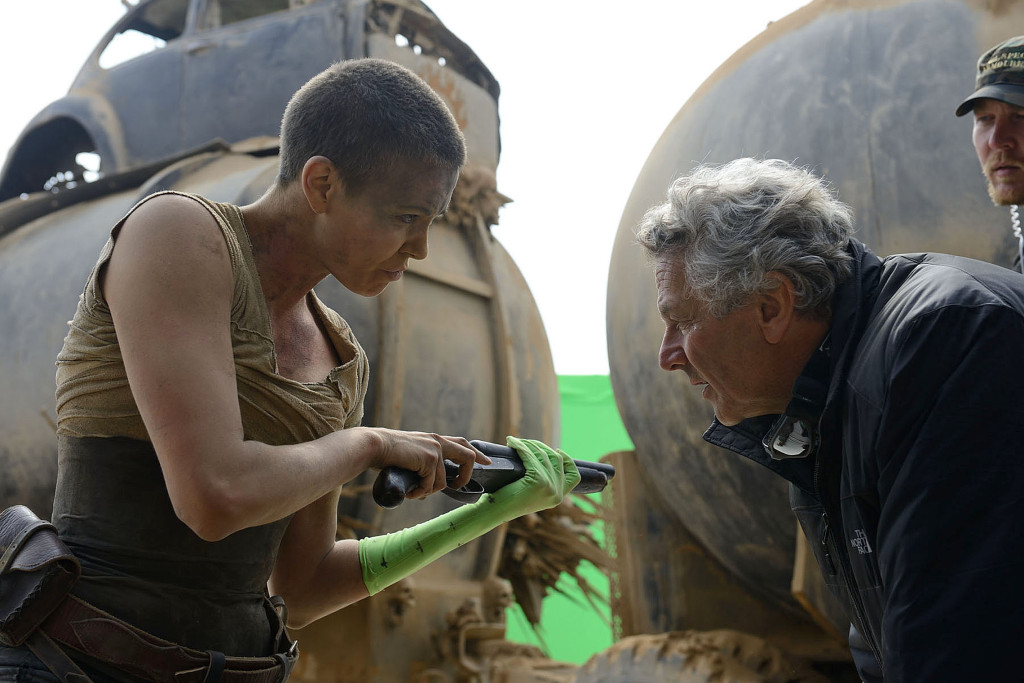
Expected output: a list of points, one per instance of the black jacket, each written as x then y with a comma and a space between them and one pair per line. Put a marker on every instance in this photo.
914, 502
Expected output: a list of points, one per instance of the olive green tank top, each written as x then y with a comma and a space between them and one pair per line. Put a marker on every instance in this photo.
94, 399
139, 561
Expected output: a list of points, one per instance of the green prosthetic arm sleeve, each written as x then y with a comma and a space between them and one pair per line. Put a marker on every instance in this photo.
550, 475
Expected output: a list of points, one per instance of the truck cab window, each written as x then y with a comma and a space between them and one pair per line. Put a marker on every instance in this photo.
144, 30
224, 12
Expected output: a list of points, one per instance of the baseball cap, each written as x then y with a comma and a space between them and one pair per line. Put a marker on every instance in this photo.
1000, 76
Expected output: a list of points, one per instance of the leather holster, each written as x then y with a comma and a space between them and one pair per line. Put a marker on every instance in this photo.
37, 572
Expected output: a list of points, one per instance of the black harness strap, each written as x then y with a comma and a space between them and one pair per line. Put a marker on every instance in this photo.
55, 659
216, 668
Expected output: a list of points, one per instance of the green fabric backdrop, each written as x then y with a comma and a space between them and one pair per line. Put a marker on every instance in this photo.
571, 630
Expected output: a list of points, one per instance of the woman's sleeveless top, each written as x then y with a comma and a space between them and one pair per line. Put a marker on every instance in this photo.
140, 562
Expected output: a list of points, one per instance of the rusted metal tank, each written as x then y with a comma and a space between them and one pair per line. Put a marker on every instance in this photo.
456, 347
862, 91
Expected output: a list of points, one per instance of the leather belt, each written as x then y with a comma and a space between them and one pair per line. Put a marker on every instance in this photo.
78, 625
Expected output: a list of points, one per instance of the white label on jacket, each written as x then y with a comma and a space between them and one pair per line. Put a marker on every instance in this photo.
860, 542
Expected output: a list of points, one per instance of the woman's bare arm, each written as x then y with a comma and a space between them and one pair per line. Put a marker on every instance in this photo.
169, 288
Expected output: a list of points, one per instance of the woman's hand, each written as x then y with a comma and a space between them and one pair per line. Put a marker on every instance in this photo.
424, 453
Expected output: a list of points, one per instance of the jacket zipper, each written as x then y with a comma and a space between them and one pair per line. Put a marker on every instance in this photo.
851, 589
836, 563
826, 552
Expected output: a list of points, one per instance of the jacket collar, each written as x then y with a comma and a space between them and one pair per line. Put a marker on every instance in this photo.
851, 305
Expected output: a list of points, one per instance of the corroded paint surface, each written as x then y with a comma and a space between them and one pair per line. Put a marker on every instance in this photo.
863, 92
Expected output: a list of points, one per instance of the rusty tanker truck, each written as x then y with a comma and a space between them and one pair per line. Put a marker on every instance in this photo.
862, 91
199, 112
710, 578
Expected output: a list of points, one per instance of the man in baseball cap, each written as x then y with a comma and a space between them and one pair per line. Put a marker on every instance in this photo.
998, 106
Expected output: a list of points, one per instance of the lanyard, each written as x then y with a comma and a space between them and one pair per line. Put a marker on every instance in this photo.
1015, 225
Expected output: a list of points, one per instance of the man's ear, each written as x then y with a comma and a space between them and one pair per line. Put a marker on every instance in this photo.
776, 308
319, 180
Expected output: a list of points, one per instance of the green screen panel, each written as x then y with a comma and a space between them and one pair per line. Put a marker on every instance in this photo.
571, 630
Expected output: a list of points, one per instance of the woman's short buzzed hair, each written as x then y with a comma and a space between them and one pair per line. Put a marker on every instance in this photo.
365, 115
731, 225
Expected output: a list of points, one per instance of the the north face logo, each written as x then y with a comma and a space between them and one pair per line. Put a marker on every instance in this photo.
860, 542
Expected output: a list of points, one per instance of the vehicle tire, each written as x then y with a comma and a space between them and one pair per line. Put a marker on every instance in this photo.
695, 657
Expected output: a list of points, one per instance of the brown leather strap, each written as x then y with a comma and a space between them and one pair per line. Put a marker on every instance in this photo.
91, 631
55, 659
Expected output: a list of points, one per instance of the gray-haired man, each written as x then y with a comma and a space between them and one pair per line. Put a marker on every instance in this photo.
885, 390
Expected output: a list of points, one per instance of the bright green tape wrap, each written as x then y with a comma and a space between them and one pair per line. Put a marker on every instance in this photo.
550, 475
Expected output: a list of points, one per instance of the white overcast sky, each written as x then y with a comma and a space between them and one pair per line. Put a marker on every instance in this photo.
587, 88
